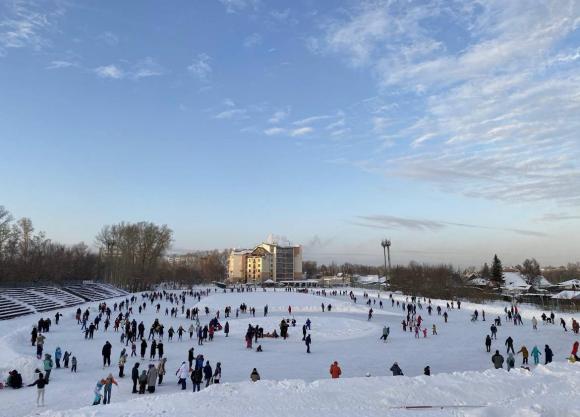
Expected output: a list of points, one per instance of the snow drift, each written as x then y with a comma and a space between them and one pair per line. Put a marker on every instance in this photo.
547, 391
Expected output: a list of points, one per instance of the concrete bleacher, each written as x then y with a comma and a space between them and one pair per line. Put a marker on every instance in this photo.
34, 299
95, 291
16, 302
10, 309
64, 297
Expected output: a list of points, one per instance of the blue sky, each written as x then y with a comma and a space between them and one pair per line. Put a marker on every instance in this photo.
449, 126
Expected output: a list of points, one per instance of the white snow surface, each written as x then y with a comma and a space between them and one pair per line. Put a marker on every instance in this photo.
548, 391
295, 383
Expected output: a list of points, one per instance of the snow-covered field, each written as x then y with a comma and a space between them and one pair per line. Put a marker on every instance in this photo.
297, 383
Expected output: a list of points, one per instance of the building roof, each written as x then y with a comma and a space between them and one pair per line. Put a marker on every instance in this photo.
570, 283
516, 281
370, 279
567, 295
478, 281
242, 251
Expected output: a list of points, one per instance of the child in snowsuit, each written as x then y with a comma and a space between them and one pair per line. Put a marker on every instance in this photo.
536, 355
57, 356
98, 395
511, 361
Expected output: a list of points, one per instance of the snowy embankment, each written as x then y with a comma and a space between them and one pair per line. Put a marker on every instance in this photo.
10, 359
549, 391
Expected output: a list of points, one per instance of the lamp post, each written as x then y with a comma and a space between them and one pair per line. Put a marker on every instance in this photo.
386, 244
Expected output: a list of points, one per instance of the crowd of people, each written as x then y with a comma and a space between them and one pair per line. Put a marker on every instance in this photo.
123, 316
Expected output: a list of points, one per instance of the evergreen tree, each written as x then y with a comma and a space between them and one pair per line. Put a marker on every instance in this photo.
497, 272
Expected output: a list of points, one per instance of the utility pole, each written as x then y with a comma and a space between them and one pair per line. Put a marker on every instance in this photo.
110, 248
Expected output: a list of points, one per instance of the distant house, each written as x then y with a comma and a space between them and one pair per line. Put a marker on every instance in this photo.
516, 282
567, 295
572, 285
475, 280
338, 280
369, 279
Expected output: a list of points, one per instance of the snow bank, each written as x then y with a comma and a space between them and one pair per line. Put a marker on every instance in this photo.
547, 391
9, 359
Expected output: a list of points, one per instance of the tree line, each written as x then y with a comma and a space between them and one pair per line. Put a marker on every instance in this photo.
129, 255
133, 256
28, 256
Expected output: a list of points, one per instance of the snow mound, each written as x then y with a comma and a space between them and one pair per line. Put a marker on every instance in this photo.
548, 391
25, 364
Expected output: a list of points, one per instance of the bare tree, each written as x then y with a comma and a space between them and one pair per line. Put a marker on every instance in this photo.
26, 230
530, 269
131, 252
5, 228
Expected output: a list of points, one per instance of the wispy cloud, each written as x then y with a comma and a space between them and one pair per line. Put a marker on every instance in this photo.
28, 24
252, 40
235, 6
279, 116
394, 222
201, 67
232, 114
61, 64
335, 125
293, 132
274, 131
228, 102
496, 117
108, 38
110, 71
313, 119
147, 67
558, 217
281, 15
144, 68
301, 131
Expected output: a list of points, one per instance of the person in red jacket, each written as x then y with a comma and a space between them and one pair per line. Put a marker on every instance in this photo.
335, 370
575, 351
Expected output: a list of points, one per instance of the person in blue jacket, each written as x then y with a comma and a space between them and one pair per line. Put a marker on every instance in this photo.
57, 356
47, 367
